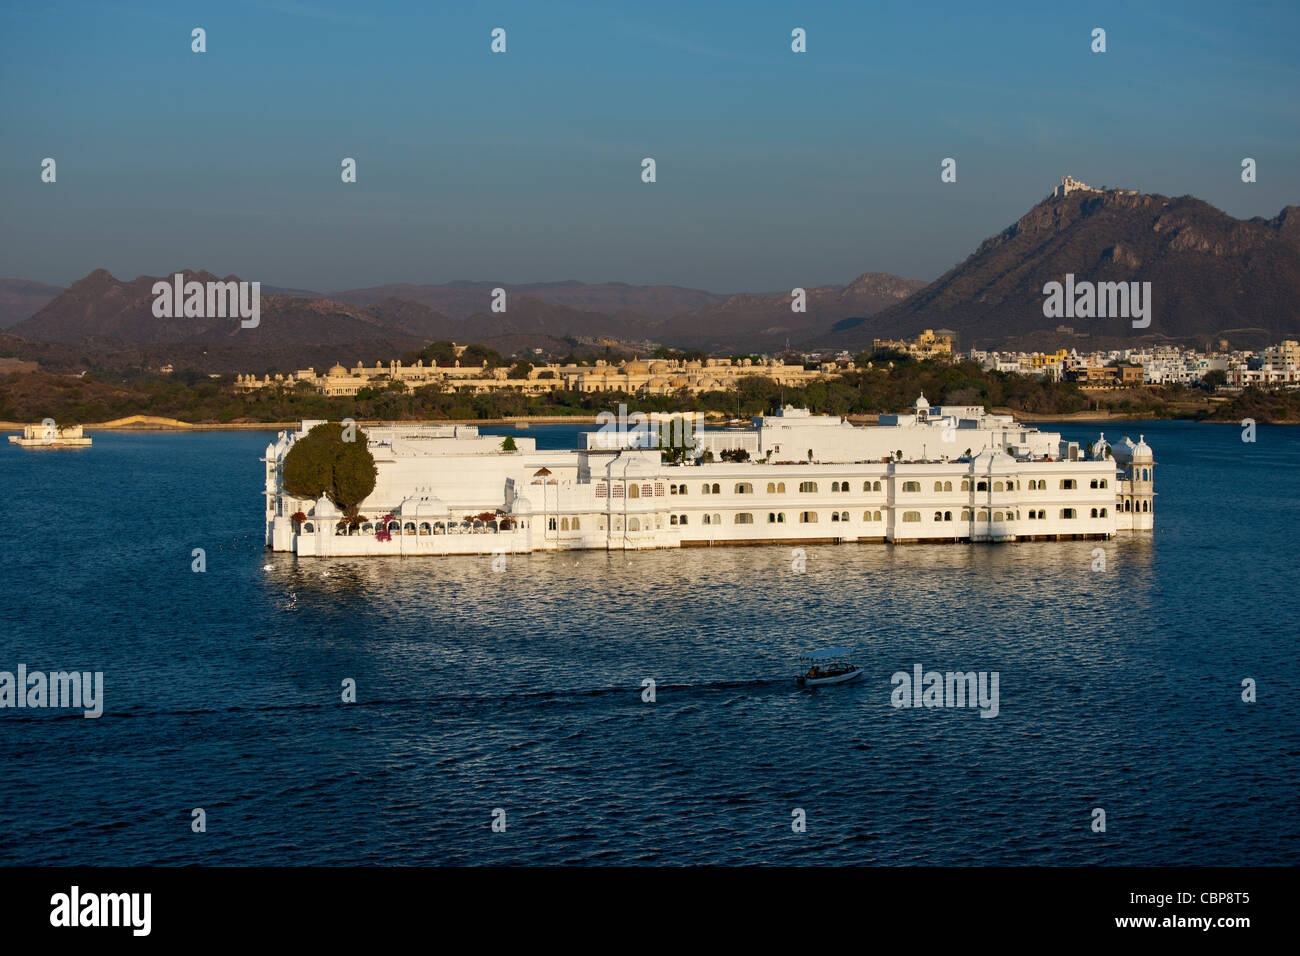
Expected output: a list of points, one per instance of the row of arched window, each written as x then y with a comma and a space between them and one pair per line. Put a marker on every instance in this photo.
840, 487
416, 528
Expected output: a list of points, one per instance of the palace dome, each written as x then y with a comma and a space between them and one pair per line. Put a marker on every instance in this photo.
337, 369
522, 506
423, 507
636, 368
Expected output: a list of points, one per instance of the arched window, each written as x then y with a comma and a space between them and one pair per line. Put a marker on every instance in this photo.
982, 486
682, 520
997, 486
717, 489
682, 490
947, 486
633, 491
1105, 483
744, 518
744, 488
938, 486
808, 517
808, 487
835, 516
1067, 513
308, 527
866, 516
1146, 474
1146, 506
938, 516
771, 517
877, 517
947, 516
997, 516
1094, 513
965, 484
982, 516
771, 487
844, 486
424, 528
633, 524
672, 489
707, 520
704, 490
911, 516
911, 486
780, 487
672, 519
564, 524
550, 524
717, 519
1103, 512
965, 515
875, 486
408, 528
835, 486
1068, 484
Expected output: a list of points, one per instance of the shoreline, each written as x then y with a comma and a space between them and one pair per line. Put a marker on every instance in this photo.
150, 423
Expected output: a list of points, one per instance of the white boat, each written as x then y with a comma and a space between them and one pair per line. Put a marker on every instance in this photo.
829, 666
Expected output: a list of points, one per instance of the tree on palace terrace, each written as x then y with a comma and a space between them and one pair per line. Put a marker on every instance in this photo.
322, 463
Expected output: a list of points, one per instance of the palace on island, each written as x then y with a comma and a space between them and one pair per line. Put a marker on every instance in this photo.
941, 474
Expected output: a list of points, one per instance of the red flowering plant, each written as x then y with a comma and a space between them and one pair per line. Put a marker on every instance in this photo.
298, 518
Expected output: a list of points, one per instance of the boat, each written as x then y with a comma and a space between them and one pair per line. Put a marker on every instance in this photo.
829, 666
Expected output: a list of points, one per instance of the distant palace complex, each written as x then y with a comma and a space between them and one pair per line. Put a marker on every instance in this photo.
638, 377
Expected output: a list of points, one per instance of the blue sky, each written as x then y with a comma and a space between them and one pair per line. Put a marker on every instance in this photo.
775, 169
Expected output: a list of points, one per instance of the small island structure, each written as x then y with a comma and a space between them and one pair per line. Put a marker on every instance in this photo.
49, 435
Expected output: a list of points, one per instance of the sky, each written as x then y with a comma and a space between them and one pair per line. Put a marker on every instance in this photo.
774, 169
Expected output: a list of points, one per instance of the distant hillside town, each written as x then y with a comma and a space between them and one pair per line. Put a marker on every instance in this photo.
1277, 366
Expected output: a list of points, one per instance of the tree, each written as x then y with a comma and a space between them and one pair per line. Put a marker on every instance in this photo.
322, 463
1215, 379
520, 369
508, 444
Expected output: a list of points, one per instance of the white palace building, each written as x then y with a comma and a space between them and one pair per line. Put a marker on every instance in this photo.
944, 474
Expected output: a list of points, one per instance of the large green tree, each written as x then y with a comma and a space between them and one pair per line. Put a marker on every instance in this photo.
323, 463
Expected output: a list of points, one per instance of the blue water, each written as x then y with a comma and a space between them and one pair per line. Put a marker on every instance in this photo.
521, 690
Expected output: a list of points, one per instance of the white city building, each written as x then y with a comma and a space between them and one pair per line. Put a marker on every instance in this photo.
934, 474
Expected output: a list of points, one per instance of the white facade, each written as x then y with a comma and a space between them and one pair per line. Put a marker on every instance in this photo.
1017, 484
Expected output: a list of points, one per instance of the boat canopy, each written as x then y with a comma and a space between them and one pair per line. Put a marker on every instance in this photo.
830, 653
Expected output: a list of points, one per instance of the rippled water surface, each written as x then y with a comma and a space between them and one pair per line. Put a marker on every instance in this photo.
522, 690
